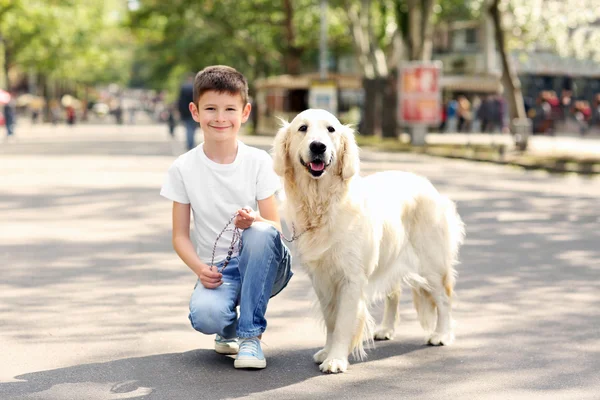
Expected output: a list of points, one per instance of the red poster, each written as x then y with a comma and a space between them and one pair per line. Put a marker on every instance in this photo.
419, 94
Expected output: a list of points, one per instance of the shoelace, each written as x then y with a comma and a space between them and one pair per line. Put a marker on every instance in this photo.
250, 346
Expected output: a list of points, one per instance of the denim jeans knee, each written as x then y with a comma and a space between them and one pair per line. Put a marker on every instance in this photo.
259, 236
214, 310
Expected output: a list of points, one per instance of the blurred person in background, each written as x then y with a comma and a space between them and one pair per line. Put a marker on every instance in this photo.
595, 122
10, 117
186, 96
451, 116
464, 114
54, 111
583, 113
70, 111
476, 121
171, 120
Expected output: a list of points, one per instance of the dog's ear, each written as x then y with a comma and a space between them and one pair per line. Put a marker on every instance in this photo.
280, 149
348, 155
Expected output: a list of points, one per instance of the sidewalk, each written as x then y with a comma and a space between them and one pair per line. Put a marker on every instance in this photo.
560, 154
560, 145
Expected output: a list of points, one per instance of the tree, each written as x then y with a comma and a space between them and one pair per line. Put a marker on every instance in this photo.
259, 37
60, 40
550, 25
385, 33
510, 80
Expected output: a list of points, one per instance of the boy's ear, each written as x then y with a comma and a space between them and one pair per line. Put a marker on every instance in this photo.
246, 112
280, 149
194, 112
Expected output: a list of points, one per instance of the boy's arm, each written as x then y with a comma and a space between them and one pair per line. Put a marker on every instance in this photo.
268, 212
185, 249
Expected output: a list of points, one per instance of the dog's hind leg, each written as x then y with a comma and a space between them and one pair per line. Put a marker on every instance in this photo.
390, 316
441, 295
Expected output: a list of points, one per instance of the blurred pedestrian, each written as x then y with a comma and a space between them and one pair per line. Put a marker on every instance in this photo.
54, 111
451, 116
10, 117
186, 97
70, 110
475, 120
464, 114
171, 120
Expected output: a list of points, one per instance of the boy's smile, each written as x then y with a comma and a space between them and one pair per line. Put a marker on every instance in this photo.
220, 114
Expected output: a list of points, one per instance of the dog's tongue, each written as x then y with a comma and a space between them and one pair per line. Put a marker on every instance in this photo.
317, 166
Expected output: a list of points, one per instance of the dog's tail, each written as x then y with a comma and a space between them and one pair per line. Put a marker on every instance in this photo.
363, 334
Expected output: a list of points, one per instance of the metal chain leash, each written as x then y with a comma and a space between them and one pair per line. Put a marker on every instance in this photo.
237, 239
294, 236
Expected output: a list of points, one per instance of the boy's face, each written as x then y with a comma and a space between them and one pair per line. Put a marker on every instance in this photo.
220, 115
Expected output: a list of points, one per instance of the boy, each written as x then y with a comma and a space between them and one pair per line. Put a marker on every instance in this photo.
215, 180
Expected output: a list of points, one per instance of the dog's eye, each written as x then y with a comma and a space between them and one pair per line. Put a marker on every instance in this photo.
331, 129
303, 128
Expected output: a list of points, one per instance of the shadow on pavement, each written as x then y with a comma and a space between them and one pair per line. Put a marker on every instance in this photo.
194, 374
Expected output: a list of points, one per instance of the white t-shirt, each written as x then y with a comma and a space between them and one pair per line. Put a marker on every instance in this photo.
216, 191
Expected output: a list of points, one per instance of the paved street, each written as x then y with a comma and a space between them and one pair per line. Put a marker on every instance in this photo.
93, 300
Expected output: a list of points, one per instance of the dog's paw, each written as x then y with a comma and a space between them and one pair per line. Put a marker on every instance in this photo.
441, 339
320, 355
384, 334
334, 365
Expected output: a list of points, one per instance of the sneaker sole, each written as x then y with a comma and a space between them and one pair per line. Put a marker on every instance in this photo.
244, 363
224, 349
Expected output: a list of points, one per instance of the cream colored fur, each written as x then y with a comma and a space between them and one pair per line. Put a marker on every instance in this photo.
363, 237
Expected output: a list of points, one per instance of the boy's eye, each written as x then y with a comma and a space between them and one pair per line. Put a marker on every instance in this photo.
303, 128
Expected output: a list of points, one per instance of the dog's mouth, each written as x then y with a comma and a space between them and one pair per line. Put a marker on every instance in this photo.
317, 166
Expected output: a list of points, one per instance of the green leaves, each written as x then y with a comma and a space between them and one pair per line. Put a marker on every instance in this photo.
83, 42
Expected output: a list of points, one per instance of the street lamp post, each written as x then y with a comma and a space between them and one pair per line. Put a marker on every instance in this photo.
323, 42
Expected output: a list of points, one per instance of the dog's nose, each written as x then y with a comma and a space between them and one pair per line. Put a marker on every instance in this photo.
317, 147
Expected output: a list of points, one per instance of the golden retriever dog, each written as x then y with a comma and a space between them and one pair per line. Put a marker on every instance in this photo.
360, 238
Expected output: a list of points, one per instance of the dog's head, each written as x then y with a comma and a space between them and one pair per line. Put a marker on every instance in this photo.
317, 143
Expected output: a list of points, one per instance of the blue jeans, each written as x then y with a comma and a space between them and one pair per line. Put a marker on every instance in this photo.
190, 131
262, 269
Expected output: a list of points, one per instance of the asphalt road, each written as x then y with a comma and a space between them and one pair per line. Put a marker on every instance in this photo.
93, 300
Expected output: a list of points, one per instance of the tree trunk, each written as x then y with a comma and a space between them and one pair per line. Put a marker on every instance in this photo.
419, 29
510, 81
368, 121
293, 53
389, 120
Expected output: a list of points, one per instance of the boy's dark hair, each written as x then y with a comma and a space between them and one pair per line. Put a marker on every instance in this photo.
220, 78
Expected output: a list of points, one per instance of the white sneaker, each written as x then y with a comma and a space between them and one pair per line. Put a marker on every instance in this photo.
250, 354
226, 346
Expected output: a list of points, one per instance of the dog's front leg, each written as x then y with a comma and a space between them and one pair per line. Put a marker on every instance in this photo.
329, 311
322, 354
344, 329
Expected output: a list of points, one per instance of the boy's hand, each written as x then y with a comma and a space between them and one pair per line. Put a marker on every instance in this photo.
246, 216
210, 279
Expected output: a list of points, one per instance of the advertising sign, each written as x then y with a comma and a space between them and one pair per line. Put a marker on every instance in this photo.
323, 94
419, 94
